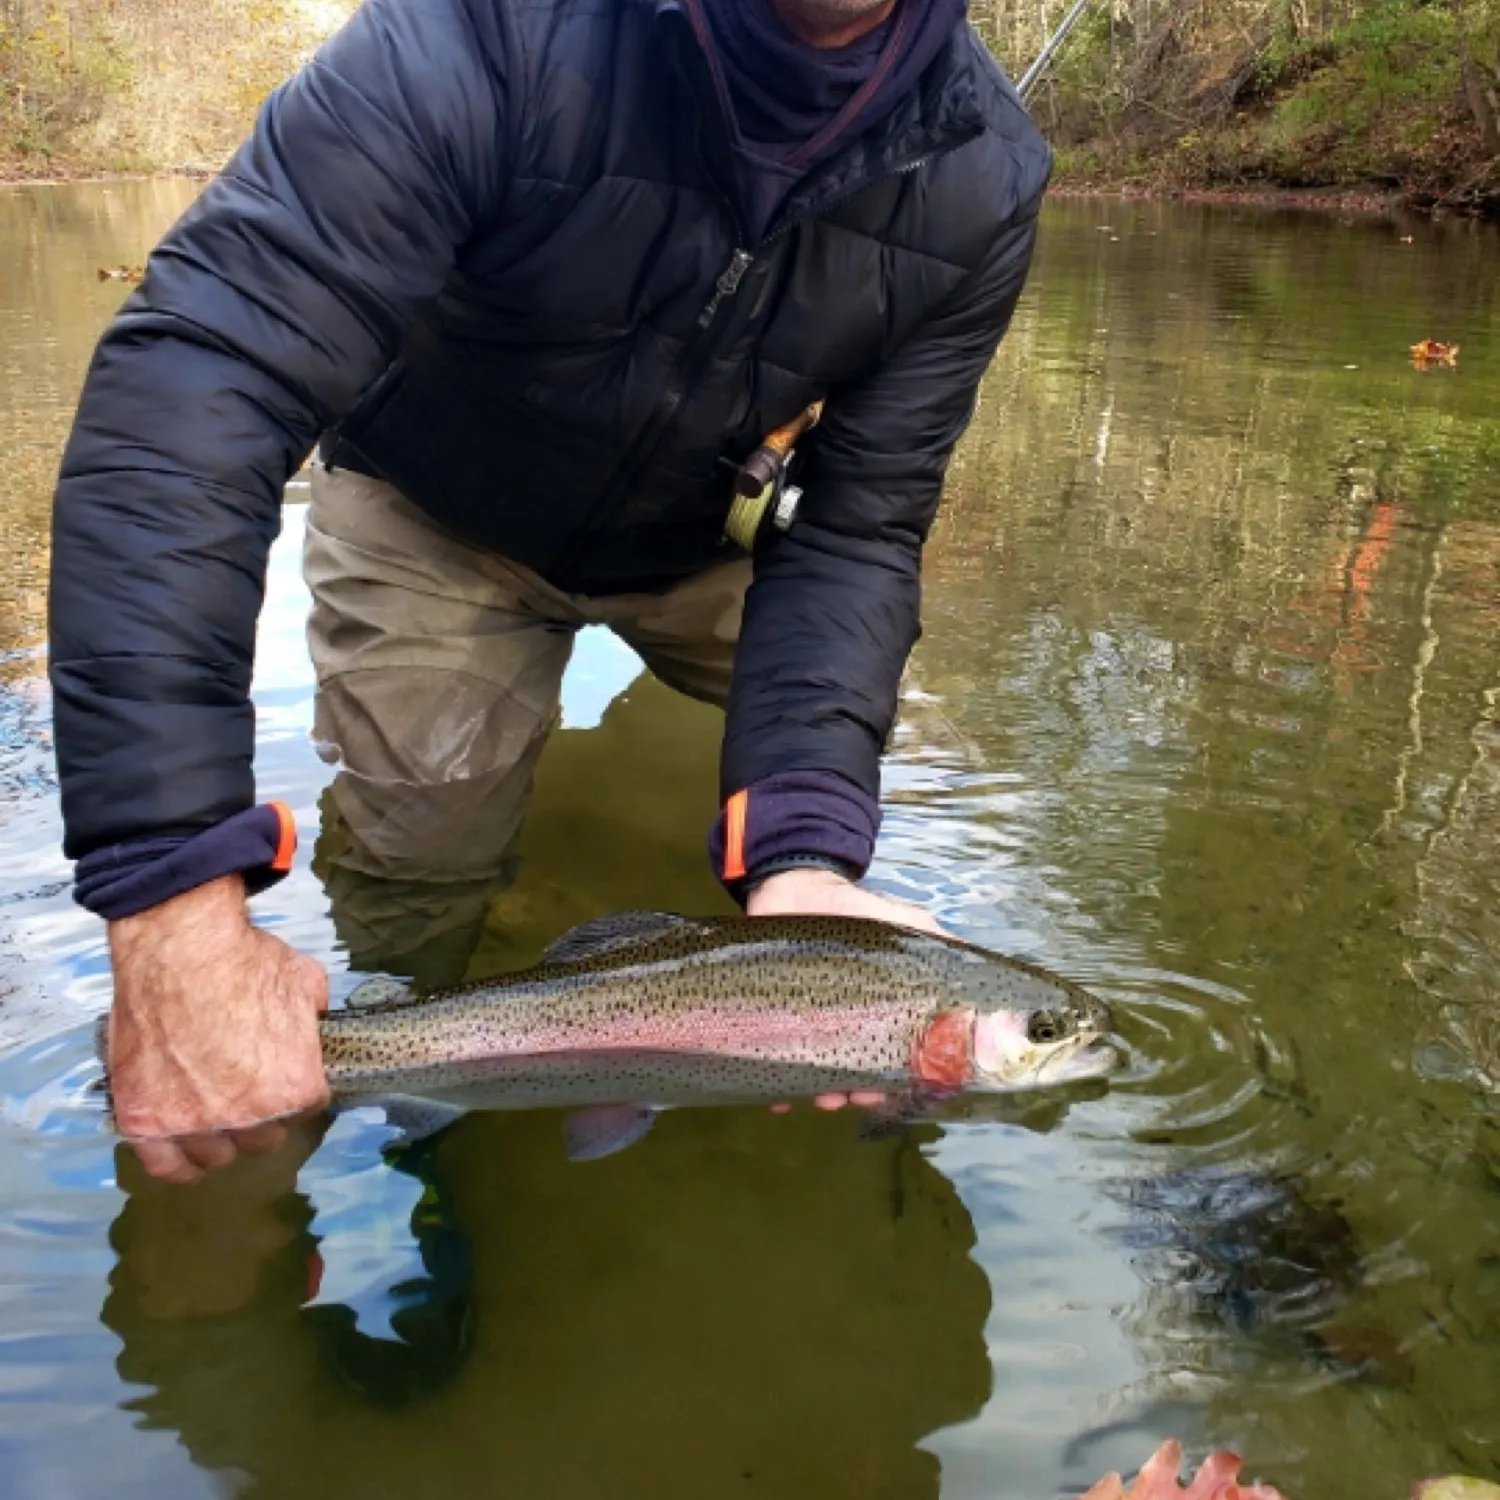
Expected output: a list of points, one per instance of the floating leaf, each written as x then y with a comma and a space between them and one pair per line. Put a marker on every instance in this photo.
1218, 1479
1430, 352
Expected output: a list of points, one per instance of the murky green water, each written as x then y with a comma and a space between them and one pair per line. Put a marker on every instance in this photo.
1206, 716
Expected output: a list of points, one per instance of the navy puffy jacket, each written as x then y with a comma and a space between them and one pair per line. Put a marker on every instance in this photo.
480, 247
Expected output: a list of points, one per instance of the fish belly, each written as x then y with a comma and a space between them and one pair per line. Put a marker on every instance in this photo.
664, 1079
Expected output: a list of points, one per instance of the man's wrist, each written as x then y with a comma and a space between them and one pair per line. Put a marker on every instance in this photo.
793, 888
203, 914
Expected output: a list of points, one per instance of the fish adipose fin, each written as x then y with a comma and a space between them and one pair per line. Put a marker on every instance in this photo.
605, 934
592, 1134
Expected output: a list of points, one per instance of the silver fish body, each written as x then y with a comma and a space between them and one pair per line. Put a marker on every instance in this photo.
660, 1010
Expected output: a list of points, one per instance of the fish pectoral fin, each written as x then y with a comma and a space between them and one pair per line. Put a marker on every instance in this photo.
415, 1119
380, 989
604, 934
603, 1129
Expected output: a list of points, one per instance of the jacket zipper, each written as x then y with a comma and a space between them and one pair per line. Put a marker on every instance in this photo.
690, 363
639, 454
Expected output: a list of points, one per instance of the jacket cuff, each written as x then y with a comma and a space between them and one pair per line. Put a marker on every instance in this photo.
127, 879
792, 820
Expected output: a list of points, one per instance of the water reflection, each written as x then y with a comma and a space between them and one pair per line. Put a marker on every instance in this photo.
1205, 716
586, 844
755, 1305
1241, 676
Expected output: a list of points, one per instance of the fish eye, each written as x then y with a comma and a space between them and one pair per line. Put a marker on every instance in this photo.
1045, 1026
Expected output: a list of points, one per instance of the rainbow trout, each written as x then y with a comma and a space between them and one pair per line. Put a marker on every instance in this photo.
642, 1011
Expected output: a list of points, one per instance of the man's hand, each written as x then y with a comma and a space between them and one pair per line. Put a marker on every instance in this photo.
822, 893
213, 1038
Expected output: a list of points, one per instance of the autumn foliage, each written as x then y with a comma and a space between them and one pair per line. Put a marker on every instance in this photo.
1218, 1479
143, 84
1383, 95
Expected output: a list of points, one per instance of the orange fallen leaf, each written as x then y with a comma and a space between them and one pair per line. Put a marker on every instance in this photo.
130, 274
1218, 1479
1432, 352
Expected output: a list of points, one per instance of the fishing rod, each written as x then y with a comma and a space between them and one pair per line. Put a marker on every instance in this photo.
1048, 54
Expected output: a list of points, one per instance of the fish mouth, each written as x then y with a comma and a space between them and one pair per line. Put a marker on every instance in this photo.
1095, 1058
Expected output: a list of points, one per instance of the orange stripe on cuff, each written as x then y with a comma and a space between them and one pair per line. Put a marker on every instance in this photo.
734, 835
287, 845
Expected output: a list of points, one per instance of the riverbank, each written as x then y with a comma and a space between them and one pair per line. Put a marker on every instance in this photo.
1364, 106
1344, 202
1367, 200
1368, 203
1381, 105
1466, 184
57, 176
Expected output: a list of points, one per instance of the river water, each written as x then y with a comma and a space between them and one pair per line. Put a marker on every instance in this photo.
1205, 717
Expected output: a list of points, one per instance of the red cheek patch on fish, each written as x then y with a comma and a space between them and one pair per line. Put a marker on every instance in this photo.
945, 1051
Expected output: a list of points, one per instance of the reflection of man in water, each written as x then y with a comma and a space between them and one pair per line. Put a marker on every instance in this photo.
752, 1307
540, 277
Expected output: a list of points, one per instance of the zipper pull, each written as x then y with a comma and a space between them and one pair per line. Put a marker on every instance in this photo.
727, 285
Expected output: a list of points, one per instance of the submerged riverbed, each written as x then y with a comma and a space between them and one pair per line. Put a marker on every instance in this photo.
1205, 717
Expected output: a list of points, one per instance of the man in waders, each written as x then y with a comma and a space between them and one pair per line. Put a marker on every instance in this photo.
537, 280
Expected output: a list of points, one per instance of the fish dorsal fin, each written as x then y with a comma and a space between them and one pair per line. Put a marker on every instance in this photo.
618, 930
379, 990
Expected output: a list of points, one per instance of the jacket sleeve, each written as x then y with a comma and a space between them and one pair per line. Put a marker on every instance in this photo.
834, 608
264, 316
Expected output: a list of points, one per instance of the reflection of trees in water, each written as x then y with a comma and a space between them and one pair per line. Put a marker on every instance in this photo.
1445, 804
1214, 556
1221, 617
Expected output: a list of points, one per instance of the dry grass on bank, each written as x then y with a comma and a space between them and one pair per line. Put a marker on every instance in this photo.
143, 85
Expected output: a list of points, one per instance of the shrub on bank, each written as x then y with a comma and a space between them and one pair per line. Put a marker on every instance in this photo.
143, 84
1398, 93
